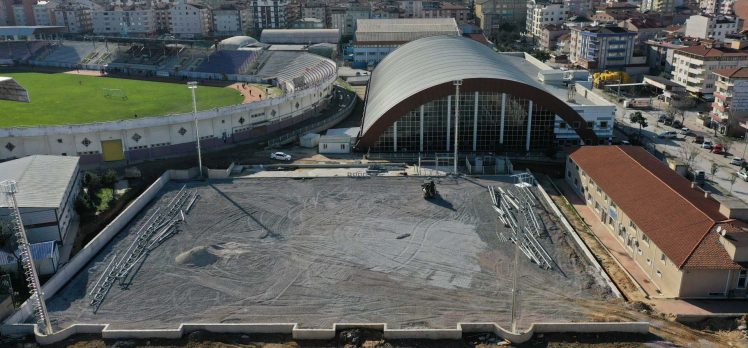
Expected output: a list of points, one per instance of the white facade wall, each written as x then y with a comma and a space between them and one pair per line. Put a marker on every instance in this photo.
601, 117
76, 20
707, 27
539, 14
124, 22
695, 73
227, 22
19, 15
43, 14
189, 21
269, 14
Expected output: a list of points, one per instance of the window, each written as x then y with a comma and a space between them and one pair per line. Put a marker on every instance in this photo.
742, 279
649, 262
590, 124
659, 274
342, 146
645, 239
562, 125
603, 124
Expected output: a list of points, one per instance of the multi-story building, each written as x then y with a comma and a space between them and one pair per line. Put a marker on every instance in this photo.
130, 22
436, 9
19, 15
411, 8
549, 35
660, 53
344, 18
665, 7
717, 7
269, 14
6, 12
730, 107
45, 197
76, 17
601, 47
579, 7
541, 13
693, 66
645, 28
44, 13
494, 13
711, 27
227, 21
376, 38
190, 20
317, 10
687, 244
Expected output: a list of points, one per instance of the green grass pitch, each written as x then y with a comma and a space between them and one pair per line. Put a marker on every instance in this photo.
58, 99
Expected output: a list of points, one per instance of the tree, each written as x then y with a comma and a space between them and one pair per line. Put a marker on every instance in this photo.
733, 177
726, 143
689, 152
713, 169
541, 55
639, 119
109, 179
673, 113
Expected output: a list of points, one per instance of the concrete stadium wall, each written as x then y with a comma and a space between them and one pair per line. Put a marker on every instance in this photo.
163, 136
93, 247
580, 244
326, 334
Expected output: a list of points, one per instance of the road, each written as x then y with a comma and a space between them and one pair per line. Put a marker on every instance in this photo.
720, 182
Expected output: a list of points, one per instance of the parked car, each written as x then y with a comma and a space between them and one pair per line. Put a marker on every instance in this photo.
280, 156
717, 148
706, 144
677, 124
698, 139
668, 121
661, 118
685, 131
667, 135
737, 161
743, 175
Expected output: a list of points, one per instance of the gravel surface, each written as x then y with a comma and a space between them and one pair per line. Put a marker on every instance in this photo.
325, 250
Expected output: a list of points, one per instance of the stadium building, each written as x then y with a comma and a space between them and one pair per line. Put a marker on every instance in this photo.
509, 102
300, 87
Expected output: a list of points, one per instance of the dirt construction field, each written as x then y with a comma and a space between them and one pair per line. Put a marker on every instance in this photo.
325, 250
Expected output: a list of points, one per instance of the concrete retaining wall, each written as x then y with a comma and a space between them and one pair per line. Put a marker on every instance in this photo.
184, 174
93, 247
580, 244
326, 334
220, 173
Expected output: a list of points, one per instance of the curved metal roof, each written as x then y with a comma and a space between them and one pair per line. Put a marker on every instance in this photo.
428, 62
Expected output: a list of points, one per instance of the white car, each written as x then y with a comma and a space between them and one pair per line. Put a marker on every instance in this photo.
707, 144
737, 161
667, 135
685, 131
280, 156
743, 175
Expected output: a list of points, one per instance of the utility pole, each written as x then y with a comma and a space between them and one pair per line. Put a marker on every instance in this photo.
192, 85
36, 299
515, 289
457, 84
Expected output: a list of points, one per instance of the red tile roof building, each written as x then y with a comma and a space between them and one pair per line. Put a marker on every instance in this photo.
670, 228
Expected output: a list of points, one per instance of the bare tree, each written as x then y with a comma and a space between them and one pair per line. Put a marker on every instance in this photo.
733, 177
689, 152
726, 143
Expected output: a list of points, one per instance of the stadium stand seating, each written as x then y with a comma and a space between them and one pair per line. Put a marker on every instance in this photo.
227, 62
71, 52
296, 71
20, 50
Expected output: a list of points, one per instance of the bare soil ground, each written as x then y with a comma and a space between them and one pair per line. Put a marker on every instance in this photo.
325, 250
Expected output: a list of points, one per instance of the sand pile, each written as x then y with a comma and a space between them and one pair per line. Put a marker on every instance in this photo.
197, 257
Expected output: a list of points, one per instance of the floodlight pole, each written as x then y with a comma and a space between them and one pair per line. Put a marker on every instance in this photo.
457, 84
192, 85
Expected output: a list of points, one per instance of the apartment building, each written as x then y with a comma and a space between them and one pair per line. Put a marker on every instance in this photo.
730, 107
190, 20
317, 10
665, 7
436, 9
579, 7
75, 17
549, 35
693, 66
227, 21
345, 18
541, 13
269, 14
493, 13
138, 22
688, 244
717, 7
44, 13
711, 27
601, 47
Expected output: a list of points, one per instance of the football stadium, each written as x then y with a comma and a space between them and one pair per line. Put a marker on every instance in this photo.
113, 101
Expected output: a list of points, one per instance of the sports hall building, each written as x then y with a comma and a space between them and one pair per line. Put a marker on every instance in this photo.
507, 102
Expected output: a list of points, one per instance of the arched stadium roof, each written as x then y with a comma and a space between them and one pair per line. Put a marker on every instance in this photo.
236, 42
300, 36
424, 69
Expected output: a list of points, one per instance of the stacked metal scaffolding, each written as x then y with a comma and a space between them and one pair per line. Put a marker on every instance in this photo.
157, 228
509, 205
10, 188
